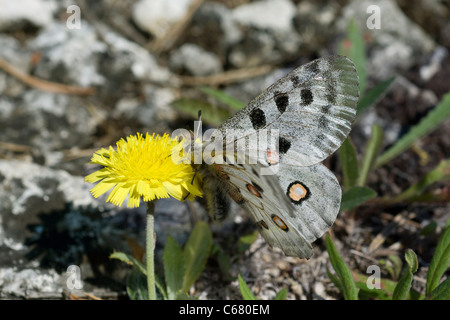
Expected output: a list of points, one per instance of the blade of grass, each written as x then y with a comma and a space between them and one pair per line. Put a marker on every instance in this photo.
429, 123
350, 291
354, 48
129, 260
439, 263
374, 94
440, 173
246, 293
221, 96
211, 114
442, 291
281, 295
370, 154
349, 163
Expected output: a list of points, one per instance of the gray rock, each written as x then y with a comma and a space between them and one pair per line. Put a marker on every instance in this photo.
18, 57
15, 14
153, 108
80, 57
314, 23
41, 235
29, 283
194, 60
128, 57
397, 45
46, 122
270, 33
271, 15
69, 56
157, 16
214, 18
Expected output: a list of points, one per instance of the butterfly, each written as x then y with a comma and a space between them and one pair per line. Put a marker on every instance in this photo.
297, 122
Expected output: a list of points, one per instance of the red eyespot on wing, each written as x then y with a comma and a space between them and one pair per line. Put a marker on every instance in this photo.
297, 192
273, 157
253, 190
280, 223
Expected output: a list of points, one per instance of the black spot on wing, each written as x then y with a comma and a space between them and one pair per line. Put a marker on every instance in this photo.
281, 100
296, 81
258, 118
306, 96
284, 145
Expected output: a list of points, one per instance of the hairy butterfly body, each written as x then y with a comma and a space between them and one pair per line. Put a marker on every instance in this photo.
289, 195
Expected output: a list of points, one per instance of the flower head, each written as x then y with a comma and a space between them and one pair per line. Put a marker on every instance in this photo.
143, 167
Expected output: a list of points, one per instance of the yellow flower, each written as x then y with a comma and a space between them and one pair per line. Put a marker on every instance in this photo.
143, 167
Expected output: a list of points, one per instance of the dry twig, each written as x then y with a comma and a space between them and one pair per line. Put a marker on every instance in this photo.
43, 84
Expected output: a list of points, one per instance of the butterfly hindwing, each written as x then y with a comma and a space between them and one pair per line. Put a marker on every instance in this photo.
313, 108
315, 195
268, 206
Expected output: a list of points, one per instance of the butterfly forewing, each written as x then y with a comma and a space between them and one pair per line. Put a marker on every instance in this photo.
312, 108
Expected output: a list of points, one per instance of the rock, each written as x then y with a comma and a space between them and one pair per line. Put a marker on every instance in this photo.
194, 60
314, 23
29, 283
397, 45
49, 221
271, 15
434, 64
130, 60
46, 122
270, 33
214, 18
157, 16
15, 55
69, 56
16, 14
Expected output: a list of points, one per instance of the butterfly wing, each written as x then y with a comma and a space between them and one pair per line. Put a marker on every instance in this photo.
315, 195
312, 108
267, 205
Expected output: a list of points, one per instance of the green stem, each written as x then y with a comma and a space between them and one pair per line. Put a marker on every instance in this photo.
150, 250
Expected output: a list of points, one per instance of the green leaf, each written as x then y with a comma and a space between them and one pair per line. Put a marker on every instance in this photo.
373, 95
442, 291
438, 174
223, 261
349, 289
349, 163
245, 290
429, 123
355, 197
354, 48
196, 252
137, 285
439, 263
370, 154
221, 96
211, 114
365, 293
173, 267
281, 295
246, 241
128, 260
404, 284
336, 281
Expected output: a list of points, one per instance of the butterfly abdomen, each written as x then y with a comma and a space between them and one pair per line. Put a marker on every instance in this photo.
215, 192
